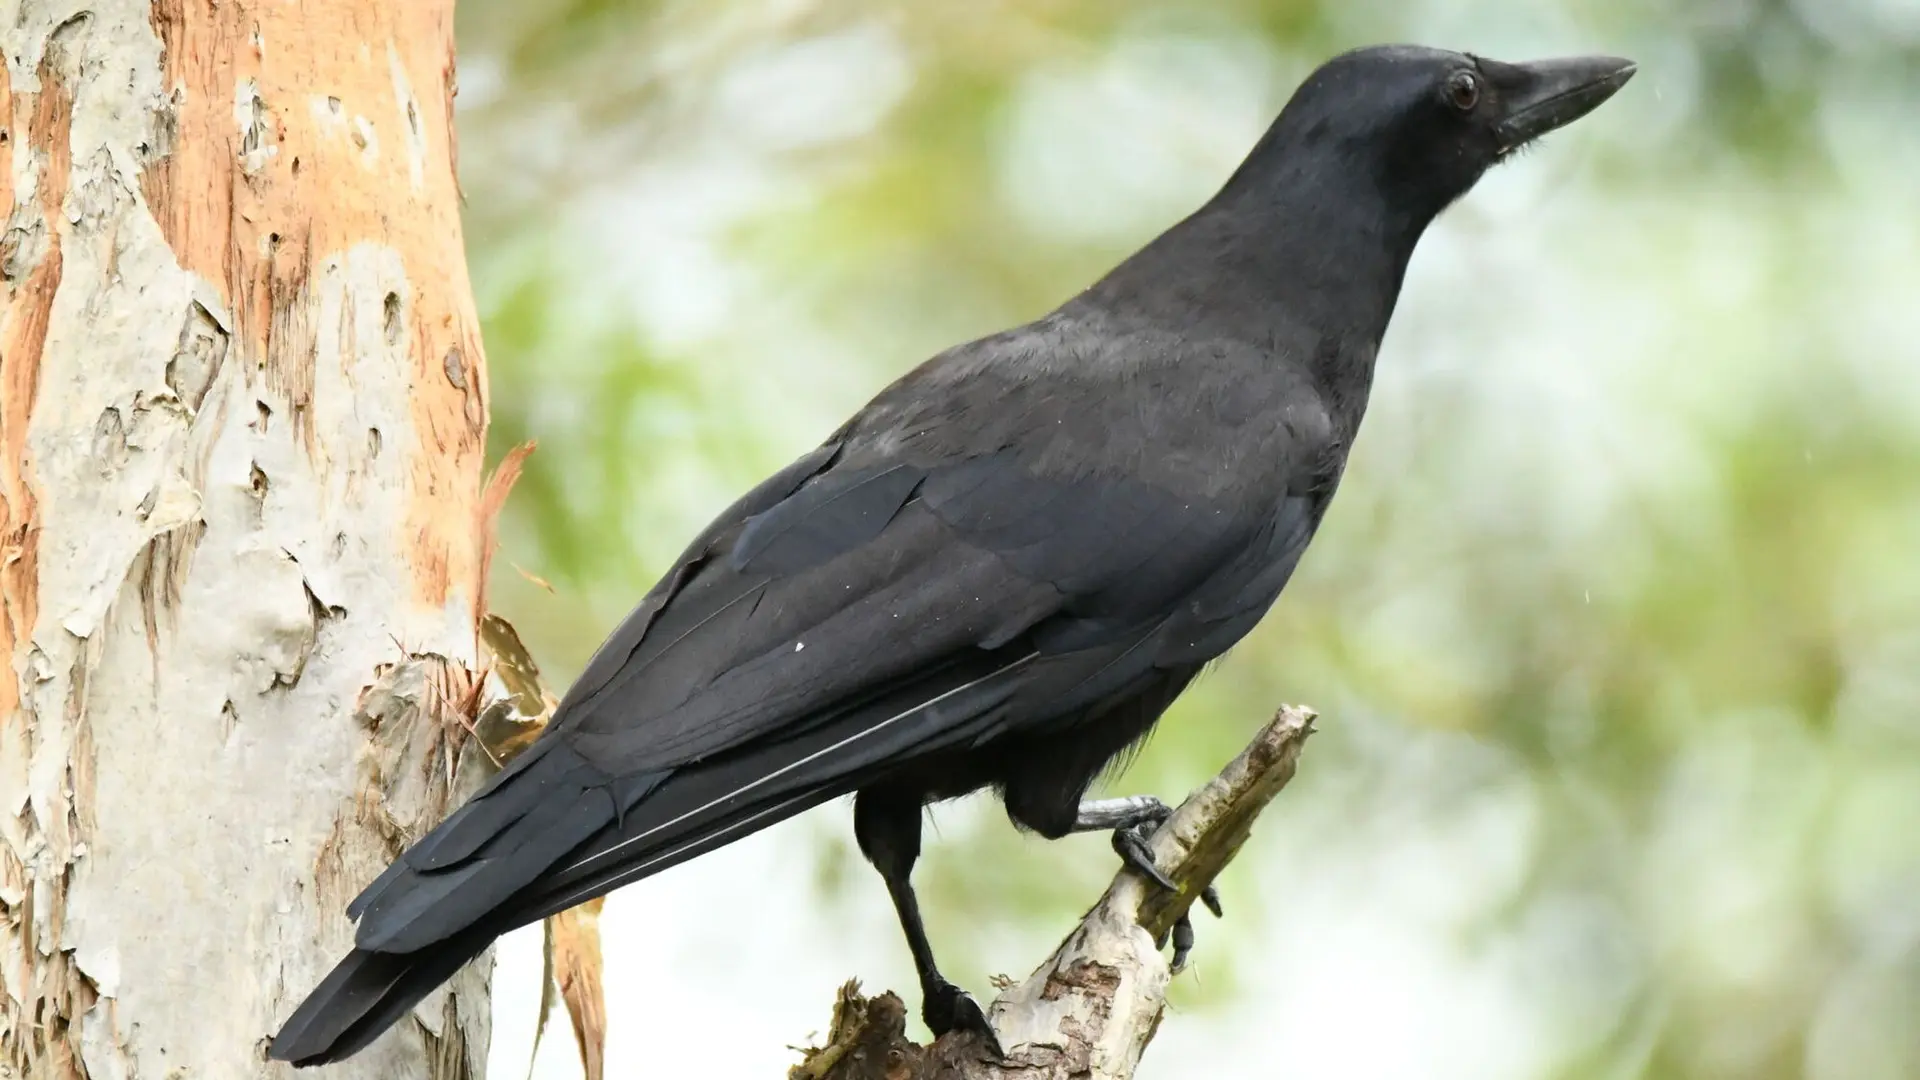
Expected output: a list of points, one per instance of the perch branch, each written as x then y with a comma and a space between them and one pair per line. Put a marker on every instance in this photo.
1090, 1010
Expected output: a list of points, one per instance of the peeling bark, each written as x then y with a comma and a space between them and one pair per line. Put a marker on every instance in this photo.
1090, 1010
242, 416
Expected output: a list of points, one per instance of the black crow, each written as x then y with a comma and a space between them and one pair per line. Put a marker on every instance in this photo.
1002, 570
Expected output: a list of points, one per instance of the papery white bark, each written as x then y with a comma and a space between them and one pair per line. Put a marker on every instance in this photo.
242, 416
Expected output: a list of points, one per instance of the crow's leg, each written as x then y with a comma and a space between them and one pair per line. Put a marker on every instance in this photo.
887, 825
1133, 819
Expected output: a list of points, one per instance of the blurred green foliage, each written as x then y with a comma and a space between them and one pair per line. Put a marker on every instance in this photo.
1616, 622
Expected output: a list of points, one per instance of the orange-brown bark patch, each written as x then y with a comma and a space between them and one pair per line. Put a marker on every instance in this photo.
291, 134
38, 125
29, 275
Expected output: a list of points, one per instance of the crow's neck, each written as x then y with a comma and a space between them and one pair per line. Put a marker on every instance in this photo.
1308, 265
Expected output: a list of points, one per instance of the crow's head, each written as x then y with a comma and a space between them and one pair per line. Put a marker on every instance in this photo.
1421, 125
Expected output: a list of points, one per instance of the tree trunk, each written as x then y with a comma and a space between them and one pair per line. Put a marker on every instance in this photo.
242, 416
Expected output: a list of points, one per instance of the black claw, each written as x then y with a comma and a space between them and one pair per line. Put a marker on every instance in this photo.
1211, 897
947, 1008
1182, 942
1131, 845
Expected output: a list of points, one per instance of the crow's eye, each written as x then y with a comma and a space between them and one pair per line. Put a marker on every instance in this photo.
1463, 91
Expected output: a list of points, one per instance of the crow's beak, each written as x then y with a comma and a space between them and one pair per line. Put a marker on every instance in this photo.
1549, 94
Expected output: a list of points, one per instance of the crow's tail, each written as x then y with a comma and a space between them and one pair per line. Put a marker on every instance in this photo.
552, 831
365, 994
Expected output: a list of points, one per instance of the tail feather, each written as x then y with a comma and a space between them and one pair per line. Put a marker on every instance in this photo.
494, 809
435, 905
554, 832
368, 991
494, 813
364, 995
536, 816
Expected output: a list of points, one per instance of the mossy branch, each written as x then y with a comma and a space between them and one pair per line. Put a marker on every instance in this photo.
1090, 1010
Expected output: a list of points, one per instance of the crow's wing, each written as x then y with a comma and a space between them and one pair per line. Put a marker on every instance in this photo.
867, 576
840, 584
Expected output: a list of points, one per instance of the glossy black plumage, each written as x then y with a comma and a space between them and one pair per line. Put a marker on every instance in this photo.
1001, 571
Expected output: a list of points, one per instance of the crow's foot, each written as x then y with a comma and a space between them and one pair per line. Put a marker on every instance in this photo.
946, 1008
1130, 843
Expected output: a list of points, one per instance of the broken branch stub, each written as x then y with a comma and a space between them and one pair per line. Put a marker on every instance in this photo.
1207, 830
1089, 1012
